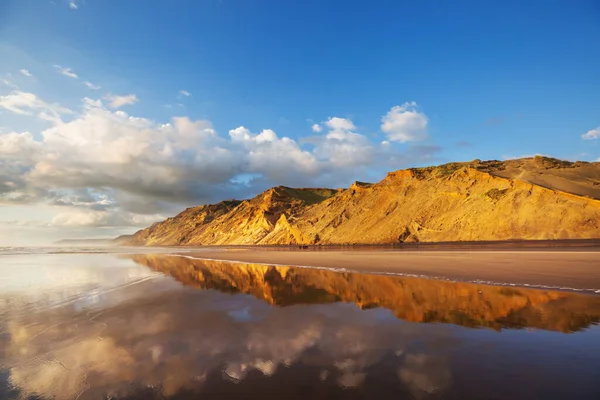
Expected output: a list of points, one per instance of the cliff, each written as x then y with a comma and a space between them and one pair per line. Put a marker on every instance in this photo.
530, 198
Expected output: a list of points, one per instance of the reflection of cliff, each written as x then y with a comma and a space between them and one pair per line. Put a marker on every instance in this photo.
412, 299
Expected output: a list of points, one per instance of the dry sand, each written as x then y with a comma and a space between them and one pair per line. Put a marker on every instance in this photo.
569, 267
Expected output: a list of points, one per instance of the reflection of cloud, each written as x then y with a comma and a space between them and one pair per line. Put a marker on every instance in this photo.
156, 343
350, 375
173, 338
65, 374
424, 375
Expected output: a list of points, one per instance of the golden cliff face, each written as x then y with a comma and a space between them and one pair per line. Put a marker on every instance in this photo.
533, 198
411, 299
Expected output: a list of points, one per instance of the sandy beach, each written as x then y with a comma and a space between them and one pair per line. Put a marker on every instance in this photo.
569, 267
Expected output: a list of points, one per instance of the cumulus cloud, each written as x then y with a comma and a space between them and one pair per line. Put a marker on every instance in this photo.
90, 85
317, 128
84, 218
66, 71
108, 168
340, 124
143, 164
184, 93
26, 72
272, 156
116, 101
405, 123
591, 134
18, 145
344, 147
80, 218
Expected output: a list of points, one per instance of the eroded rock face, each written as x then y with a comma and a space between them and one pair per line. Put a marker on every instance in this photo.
530, 198
411, 299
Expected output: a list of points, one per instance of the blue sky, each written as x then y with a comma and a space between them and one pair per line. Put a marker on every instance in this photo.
473, 79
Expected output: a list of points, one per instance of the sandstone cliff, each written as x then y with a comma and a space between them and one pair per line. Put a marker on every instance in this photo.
530, 198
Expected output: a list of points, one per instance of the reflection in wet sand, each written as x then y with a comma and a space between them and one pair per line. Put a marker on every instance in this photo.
411, 299
167, 340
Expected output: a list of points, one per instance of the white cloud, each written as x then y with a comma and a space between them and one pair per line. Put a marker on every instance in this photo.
26, 72
405, 123
343, 147
18, 146
317, 128
73, 5
340, 124
164, 162
115, 101
24, 103
591, 134
185, 93
80, 219
66, 71
273, 157
131, 170
90, 85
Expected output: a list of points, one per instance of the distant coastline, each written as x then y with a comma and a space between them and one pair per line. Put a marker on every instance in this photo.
513, 245
93, 242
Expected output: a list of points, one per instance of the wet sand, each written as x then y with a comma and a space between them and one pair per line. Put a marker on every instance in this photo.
573, 267
156, 326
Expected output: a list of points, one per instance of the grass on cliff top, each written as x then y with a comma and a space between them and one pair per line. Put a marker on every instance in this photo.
496, 194
448, 169
444, 170
310, 196
549, 162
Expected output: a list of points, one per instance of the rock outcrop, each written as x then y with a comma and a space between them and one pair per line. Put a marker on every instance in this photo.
530, 199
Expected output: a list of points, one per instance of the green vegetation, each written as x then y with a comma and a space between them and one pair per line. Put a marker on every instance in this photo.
496, 194
508, 292
363, 184
309, 196
549, 162
448, 169
231, 202
421, 173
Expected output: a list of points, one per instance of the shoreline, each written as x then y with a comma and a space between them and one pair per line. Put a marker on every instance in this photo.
575, 269
514, 245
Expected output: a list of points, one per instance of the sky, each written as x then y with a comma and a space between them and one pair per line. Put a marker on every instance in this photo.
115, 115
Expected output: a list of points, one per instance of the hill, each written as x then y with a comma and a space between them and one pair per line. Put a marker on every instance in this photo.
525, 199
